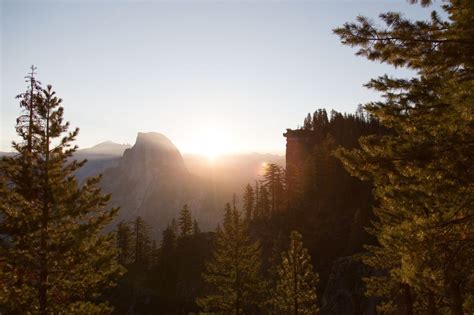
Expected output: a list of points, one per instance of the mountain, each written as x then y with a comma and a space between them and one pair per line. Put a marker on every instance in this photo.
152, 181
99, 158
104, 149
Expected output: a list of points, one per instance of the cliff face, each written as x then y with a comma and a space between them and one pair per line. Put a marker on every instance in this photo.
333, 208
152, 181
152, 156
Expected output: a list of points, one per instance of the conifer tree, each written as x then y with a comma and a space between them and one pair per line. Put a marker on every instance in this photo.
257, 211
249, 202
168, 263
154, 254
168, 240
27, 127
320, 119
295, 291
57, 258
174, 227
124, 243
422, 170
234, 269
185, 222
308, 122
141, 241
274, 181
264, 204
196, 229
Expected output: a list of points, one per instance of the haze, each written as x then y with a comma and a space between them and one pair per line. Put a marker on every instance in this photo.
214, 76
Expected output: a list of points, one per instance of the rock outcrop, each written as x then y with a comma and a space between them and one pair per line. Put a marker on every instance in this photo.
151, 181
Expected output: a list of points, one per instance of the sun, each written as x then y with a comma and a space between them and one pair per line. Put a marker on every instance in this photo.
212, 143
212, 153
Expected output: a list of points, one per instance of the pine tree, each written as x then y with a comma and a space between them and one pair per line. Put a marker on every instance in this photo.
295, 291
185, 222
308, 122
274, 181
249, 202
196, 229
257, 211
422, 170
141, 241
124, 243
168, 264
320, 119
27, 127
56, 257
154, 254
168, 240
234, 269
264, 204
174, 226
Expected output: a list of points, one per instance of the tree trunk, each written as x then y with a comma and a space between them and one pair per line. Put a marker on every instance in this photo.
43, 276
431, 303
295, 280
456, 306
356, 304
408, 299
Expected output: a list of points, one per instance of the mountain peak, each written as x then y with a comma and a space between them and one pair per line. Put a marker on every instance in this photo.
153, 152
150, 180
155, 139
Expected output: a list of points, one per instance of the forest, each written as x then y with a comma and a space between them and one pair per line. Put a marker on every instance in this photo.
373, 212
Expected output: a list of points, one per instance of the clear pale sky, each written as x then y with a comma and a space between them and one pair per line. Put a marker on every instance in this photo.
228, 74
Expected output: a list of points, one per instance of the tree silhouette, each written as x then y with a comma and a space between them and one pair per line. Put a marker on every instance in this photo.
295, 291
56, 257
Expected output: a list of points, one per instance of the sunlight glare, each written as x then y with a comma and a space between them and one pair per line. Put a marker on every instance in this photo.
212, 143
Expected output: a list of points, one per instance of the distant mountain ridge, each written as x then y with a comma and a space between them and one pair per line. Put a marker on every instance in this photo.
106, 148
99, 158
102, 150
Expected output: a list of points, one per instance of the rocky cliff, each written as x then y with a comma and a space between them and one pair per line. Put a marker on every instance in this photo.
151, 181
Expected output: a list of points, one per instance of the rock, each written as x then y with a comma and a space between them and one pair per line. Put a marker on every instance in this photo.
152, 181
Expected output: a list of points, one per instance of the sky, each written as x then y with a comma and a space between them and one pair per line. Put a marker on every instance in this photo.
213, 76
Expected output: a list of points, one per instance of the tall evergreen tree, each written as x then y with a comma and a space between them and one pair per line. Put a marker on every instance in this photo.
168, 241
154, 254
27, 127
185, 222
295, 291
257, 211
56, 258
308, 122
274, 181
196, 229
234, 269
249, 202
263, 203
320, 119
141, 241
422, 170
174, 226
124, 243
